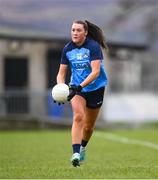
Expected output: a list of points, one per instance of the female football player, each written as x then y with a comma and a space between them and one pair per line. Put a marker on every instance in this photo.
88, 80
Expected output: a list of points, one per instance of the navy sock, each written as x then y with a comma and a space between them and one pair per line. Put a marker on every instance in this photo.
76, 148
84, 143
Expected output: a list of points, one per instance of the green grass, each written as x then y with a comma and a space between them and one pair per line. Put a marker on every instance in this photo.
46, 154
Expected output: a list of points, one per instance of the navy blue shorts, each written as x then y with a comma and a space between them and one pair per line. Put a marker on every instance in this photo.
94, 99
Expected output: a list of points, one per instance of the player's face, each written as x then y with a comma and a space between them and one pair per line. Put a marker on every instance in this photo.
78, 33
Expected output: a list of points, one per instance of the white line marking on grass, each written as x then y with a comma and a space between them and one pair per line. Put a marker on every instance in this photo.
126, 140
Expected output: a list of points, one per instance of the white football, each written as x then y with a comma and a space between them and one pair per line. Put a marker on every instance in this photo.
60, 92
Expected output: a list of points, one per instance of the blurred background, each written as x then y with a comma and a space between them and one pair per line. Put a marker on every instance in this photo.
32, 36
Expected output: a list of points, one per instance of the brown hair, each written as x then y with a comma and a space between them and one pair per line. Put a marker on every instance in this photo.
94, 32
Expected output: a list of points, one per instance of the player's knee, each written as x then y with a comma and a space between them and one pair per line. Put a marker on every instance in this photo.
78, 118
88, 129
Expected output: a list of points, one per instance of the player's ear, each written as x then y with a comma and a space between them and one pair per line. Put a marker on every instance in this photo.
86, 32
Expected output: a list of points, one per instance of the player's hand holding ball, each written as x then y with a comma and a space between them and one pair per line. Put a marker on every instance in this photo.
73, 91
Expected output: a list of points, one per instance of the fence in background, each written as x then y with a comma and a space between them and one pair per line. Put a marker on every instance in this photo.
31, 105
131, 109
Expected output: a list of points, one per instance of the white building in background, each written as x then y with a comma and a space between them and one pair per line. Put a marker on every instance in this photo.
28, 69
30, 48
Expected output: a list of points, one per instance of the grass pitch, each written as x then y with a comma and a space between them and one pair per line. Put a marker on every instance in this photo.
46, 155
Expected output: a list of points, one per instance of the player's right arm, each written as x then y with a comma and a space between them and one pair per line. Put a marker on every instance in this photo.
61, 76
62, 73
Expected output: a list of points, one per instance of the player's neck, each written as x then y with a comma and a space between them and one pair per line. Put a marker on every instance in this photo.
81, 42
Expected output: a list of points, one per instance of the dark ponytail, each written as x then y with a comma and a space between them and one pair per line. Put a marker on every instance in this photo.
96, 33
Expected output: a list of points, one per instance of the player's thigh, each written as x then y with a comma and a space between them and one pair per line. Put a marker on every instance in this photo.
78, 104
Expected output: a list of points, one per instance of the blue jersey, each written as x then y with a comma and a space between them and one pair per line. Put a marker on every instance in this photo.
79, 59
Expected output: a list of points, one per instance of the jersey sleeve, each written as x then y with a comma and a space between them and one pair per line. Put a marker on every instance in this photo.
95, 52
64, 59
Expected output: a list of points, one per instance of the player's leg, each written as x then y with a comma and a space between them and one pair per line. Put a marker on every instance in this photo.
88, 127
94, 102
89, 123
78, 107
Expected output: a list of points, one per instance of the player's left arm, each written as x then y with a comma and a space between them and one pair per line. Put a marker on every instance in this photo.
95, 65
62, 73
